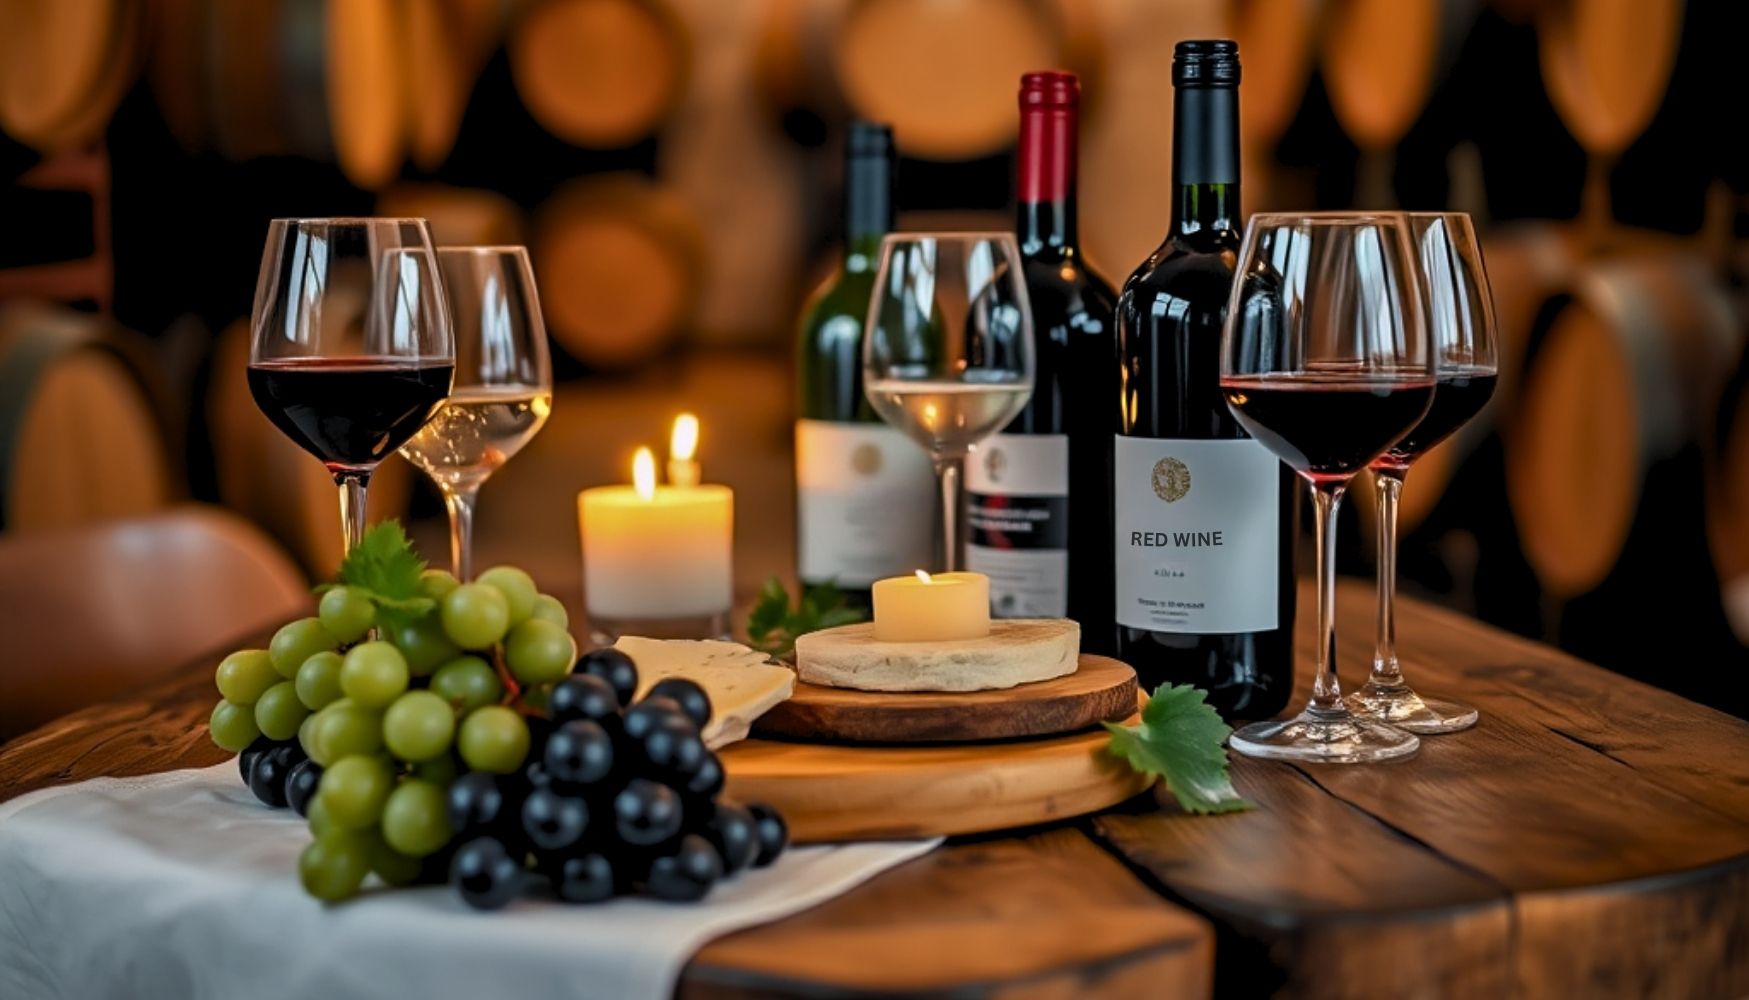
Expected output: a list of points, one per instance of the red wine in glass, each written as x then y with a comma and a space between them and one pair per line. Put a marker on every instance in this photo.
1328, 427
349, 412
1460, 394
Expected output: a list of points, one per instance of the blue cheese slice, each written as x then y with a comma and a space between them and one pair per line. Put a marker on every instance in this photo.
742, 683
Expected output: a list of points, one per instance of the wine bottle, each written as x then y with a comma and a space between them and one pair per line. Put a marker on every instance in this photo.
1204, 515
1038, 494
865, 494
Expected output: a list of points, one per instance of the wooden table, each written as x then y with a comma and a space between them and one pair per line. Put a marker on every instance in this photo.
1590, 838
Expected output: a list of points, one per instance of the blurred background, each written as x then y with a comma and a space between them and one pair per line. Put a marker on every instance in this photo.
674, 165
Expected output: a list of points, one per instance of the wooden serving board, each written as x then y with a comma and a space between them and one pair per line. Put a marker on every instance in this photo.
1100, 690
903, 792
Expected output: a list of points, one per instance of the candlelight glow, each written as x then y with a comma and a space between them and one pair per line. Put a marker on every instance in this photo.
683, 445
924, 577
644, 473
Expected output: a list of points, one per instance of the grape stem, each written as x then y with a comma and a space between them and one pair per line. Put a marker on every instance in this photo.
512, 690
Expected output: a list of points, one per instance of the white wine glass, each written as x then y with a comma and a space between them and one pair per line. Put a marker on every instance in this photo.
947, 353
503, 383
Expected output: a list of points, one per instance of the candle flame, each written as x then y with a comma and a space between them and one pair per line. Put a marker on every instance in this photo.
683, 444
924, 577
644, 473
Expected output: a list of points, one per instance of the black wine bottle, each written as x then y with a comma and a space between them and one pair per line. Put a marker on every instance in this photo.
1204, 516
864, 492
1038, 494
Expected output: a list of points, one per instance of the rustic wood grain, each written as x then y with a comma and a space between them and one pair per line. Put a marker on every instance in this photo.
1100, 690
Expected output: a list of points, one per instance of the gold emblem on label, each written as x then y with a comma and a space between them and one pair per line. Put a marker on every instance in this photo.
994, 464
1171, 479
865, 459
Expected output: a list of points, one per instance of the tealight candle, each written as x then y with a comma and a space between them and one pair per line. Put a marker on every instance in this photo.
938, 608
657, 554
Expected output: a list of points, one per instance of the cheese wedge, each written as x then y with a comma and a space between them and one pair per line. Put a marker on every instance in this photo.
742, 683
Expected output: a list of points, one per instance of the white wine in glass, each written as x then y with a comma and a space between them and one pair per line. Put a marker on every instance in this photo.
476, 431
948, 416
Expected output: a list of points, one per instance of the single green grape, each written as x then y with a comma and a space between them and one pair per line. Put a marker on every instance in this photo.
279, 713
415, 820
307, 737
242, 676
548, 609
517, 587
439, 770
493, 738
418, 726
435, 583
390, 865
424, 645
296, 642
373, 674
334, 866
354, 789
318, 680
233, 726
467, 682
539, 652
475, 616
320, 823
346, 728
347, 613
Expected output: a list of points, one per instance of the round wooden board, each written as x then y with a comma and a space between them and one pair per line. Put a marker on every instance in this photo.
841, 792
1099, 690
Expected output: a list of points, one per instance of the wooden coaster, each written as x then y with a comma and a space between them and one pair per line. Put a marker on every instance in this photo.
1100, 690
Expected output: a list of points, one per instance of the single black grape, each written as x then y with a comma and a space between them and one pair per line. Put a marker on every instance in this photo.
688, 873
646, 714
583, 696
246, 759
300, 786
485, 873
646, 813
267, 777
479, 804
580, 752
553, 822
688, 695
614, 667
773, 833
733, 832
585, 878
706, 781
672, 749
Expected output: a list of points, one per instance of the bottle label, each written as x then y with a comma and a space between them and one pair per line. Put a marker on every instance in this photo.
864, 503
1017, 516
1198, 535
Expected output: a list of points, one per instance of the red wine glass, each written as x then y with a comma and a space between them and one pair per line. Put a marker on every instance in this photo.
352, 349
1327, 359
1461, 315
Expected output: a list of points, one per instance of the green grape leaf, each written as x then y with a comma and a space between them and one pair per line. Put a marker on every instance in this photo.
773, 625
768, 614
384, 563
1180, 739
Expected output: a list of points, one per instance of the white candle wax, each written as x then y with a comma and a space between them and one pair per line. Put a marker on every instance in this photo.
939, 608
669, 555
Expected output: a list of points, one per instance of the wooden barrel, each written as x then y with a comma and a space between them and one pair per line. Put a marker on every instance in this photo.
82, 432
1625, 376
447, 45
273, 482
1606, 64
1382, 60
619, 261
1277, 39
64, 66
599, 73
457, 216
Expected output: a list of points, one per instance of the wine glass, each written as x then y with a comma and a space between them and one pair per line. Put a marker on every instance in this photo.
1461, 315
351, 349
1326, 359
503, 383
948, 355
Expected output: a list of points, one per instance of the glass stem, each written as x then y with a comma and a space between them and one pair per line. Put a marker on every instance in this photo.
949, 470
1326, 693
1385, 670
352, 505
461, 531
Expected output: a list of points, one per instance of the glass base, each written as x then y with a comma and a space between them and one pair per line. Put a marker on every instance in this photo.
1324, 737
605, 631
1400, 706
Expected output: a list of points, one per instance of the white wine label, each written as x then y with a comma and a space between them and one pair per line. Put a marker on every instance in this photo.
1017, 520
1198, 535
865, 503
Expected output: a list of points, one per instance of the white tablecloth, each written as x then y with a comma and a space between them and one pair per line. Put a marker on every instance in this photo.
181, 885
